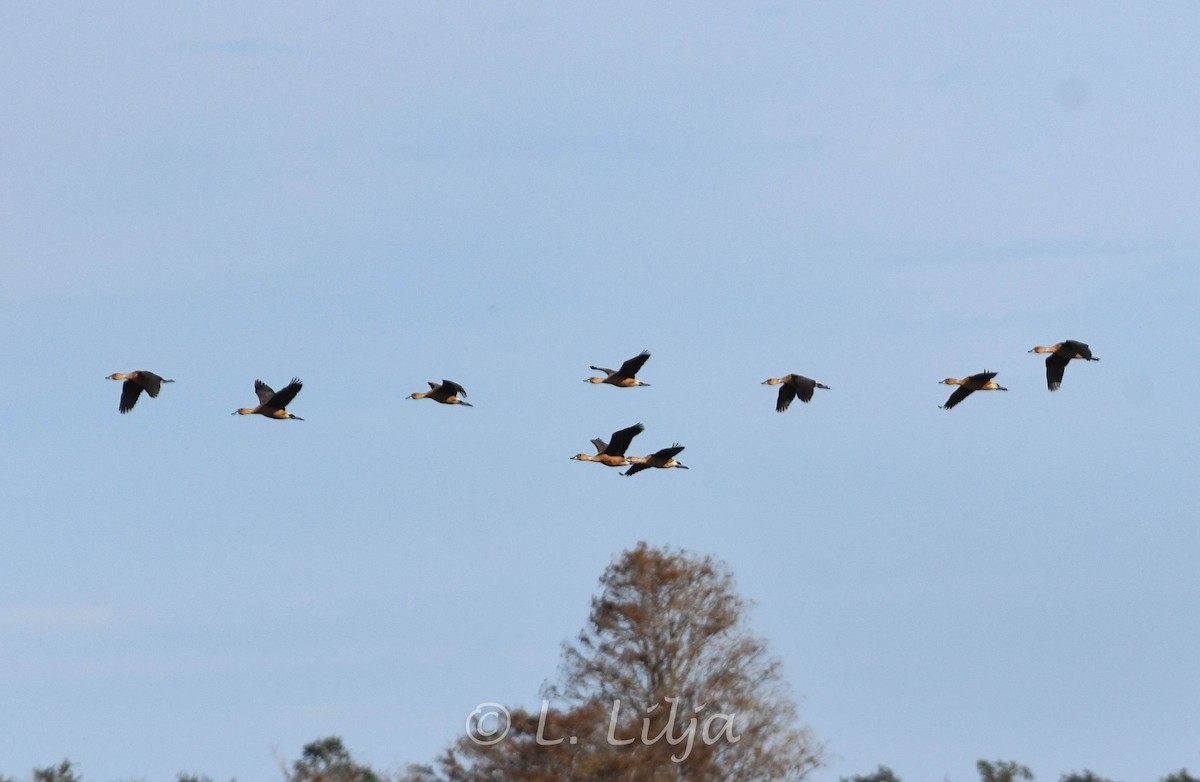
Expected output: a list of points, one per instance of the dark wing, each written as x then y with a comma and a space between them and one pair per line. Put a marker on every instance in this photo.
667, 454
982, 377
960, 393
284, 396
130, 391
1056, 364
600, 445
602, 369
804, 387
631, 367
1074, 348
622, 438
636, 468
450, 388
149, 381
786, 394
263, 391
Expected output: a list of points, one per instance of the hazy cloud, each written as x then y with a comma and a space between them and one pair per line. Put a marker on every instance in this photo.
245, 48
61, 619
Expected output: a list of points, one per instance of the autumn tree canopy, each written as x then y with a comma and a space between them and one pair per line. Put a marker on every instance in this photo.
665, 682
1002, 771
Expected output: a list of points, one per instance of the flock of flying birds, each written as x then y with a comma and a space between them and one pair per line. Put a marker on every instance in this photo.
273, 404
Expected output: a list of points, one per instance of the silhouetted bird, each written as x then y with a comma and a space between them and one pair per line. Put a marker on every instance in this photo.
447, 392
271, 403
135, 384
792, 386
661, 459
612, 453
623, 377
981, 382
1061, 355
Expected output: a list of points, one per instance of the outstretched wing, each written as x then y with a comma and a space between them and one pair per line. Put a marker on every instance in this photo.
130, 391
284, 396
264, 392
804, 387
450, 388
636, 468
1076, 348
149, 381
622, 438
1056, 365
631, 367
786, 394
600, 445
666, 454
960, 393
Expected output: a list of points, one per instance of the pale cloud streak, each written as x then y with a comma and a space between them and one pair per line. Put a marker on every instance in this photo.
63, 619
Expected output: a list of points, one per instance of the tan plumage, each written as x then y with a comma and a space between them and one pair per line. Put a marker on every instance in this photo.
791, 387
967, 385
662, 459
135, 383
273, 404
623, 377
1061, 355
612, 453
447, 392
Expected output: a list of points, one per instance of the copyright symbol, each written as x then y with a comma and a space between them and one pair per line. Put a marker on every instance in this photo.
488, 724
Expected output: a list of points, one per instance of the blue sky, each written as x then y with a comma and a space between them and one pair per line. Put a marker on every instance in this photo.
370, 196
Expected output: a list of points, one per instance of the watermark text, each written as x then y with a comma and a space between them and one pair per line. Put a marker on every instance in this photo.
489, 724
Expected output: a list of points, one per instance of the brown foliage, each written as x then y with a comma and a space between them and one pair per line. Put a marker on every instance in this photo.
663, 683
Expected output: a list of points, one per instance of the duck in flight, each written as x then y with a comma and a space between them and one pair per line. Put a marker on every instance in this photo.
791, 387
135, 383
1061, 355
662, 459
612, 453
273, 404
980, 382
447, 392
623, 377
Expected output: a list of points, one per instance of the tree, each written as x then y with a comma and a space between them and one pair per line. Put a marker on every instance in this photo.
665, 682
1083, 776
63, 772
1002, 771
1181, 775
328, 760
550, 745
883, 774
417, 773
